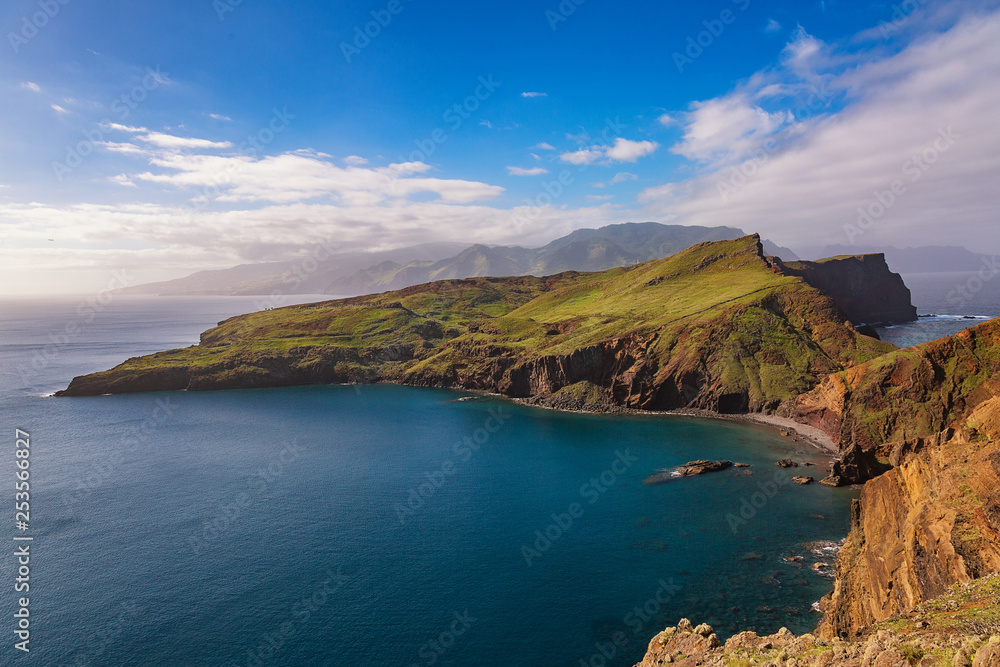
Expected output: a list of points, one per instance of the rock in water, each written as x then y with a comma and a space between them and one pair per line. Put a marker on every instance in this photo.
688, 469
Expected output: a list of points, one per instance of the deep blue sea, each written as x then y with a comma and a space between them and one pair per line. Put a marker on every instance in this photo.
947, 303
374, 525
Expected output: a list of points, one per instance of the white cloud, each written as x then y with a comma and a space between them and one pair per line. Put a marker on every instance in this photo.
486, 124
170, 141
126, 128
216, 116
625, 150
355, 161
667, 120
600, 197
59, 109
772, 26
544, 146
521, 171
584, 156
534, 94
285, 178
725, 128
622, 150
809, 182
33, 87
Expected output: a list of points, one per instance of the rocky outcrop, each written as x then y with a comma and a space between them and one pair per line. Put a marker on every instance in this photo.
904, 401
907, 643
863, 287
931, 521
921, 428
689, 469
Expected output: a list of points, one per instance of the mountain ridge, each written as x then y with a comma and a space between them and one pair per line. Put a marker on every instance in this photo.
325, 271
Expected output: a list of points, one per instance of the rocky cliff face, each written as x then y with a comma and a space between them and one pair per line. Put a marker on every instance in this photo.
862, 286
922, 428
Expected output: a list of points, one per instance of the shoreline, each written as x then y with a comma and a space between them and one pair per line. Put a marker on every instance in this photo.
810, 434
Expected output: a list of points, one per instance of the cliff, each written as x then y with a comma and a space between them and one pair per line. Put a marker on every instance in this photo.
717, 326
861, 285
922, 427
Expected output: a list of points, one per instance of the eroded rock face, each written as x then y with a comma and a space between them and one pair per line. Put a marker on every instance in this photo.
861, 285
918, 529
922, 428
904, 401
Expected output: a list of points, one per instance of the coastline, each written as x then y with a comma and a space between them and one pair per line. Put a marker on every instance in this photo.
804, 432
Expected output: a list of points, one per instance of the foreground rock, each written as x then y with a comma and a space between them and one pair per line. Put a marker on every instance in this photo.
922, 428
960, 629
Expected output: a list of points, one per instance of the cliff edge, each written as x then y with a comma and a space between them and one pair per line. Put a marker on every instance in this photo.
862, 286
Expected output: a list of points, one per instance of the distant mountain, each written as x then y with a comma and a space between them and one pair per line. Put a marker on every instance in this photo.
350, 274
925, 259
582, 250
288, 277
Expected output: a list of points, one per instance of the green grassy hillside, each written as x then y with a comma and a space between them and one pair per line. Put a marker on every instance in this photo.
715, 326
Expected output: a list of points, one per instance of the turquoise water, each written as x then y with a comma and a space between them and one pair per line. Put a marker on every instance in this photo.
379, 524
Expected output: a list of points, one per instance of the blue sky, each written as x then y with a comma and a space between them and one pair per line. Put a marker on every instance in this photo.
167, 138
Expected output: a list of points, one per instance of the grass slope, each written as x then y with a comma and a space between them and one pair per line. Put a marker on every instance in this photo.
714, 326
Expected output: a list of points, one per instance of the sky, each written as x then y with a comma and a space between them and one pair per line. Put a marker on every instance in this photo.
158, 139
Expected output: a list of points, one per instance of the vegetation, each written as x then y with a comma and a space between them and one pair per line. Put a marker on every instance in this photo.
715, 326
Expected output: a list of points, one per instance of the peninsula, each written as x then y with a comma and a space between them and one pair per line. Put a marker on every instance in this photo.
720, 326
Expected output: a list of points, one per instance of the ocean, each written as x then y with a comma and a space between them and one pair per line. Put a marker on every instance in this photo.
375, 525
947, 303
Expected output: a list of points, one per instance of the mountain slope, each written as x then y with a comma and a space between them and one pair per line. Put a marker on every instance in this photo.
301, 276
717, 326
582, 250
